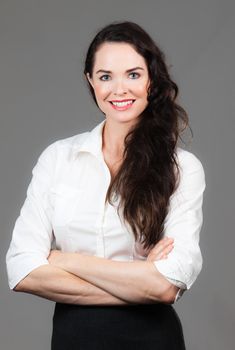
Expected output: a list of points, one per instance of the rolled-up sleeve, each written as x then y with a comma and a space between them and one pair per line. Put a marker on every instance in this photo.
32, 234
183, 222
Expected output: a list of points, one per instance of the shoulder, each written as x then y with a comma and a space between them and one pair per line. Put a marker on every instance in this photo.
192, 173
188, 161
56, 158
64, 148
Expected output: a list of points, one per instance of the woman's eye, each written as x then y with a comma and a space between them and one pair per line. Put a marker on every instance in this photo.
103, 77
136, 75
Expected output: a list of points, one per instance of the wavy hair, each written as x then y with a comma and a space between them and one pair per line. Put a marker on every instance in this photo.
149, 173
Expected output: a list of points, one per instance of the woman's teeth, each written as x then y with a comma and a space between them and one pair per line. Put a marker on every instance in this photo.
122, 104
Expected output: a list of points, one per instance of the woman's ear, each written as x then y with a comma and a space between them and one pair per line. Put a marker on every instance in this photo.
89, 79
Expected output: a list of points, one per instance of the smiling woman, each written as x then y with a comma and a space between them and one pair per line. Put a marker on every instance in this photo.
124, 86
123, 203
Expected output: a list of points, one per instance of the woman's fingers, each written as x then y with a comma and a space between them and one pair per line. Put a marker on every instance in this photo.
164, 253
161, 249
162, 245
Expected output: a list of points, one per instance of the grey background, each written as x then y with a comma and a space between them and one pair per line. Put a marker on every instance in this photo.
43, 98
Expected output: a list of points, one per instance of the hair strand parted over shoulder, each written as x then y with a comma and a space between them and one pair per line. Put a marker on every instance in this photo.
149, 173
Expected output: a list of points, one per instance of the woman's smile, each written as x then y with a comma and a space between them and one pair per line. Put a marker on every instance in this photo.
122, 105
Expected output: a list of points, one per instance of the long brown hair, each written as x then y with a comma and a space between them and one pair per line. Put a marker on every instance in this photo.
149, 173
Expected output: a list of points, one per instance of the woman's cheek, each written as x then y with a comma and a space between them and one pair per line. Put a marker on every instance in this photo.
141, 90
102, 90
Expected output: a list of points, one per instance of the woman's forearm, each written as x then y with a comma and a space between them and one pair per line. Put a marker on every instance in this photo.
55, 284
133, 281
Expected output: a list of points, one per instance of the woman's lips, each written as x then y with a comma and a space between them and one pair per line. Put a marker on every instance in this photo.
122, 105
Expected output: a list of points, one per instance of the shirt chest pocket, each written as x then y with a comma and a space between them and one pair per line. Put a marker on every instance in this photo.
66, 200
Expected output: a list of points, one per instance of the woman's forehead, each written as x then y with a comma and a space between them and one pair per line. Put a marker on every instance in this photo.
111, 55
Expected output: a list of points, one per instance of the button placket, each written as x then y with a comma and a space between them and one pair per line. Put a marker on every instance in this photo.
100, 243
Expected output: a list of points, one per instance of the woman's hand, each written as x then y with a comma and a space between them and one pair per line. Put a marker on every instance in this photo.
161, 249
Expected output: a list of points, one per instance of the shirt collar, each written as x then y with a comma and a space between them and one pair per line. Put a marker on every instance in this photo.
93, 142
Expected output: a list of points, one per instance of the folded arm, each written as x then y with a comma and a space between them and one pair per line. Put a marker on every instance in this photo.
55, 284
52, 282
134, 281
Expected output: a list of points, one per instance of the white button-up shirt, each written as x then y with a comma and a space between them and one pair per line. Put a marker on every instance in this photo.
65, 208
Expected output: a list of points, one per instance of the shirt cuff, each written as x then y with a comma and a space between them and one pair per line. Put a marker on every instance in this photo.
165, 272
21, 266
179, 294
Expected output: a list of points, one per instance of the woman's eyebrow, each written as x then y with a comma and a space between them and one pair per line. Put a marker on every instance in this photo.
127, 71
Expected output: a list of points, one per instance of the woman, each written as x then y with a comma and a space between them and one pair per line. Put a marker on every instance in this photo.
122, 204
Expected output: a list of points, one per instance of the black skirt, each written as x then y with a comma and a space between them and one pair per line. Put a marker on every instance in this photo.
88, 327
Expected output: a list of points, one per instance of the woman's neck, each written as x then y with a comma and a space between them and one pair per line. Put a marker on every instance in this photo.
113, 138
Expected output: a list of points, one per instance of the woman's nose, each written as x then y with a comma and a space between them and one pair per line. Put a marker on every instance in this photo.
120, 87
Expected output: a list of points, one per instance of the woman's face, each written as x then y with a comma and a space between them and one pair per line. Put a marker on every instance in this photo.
120, 81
